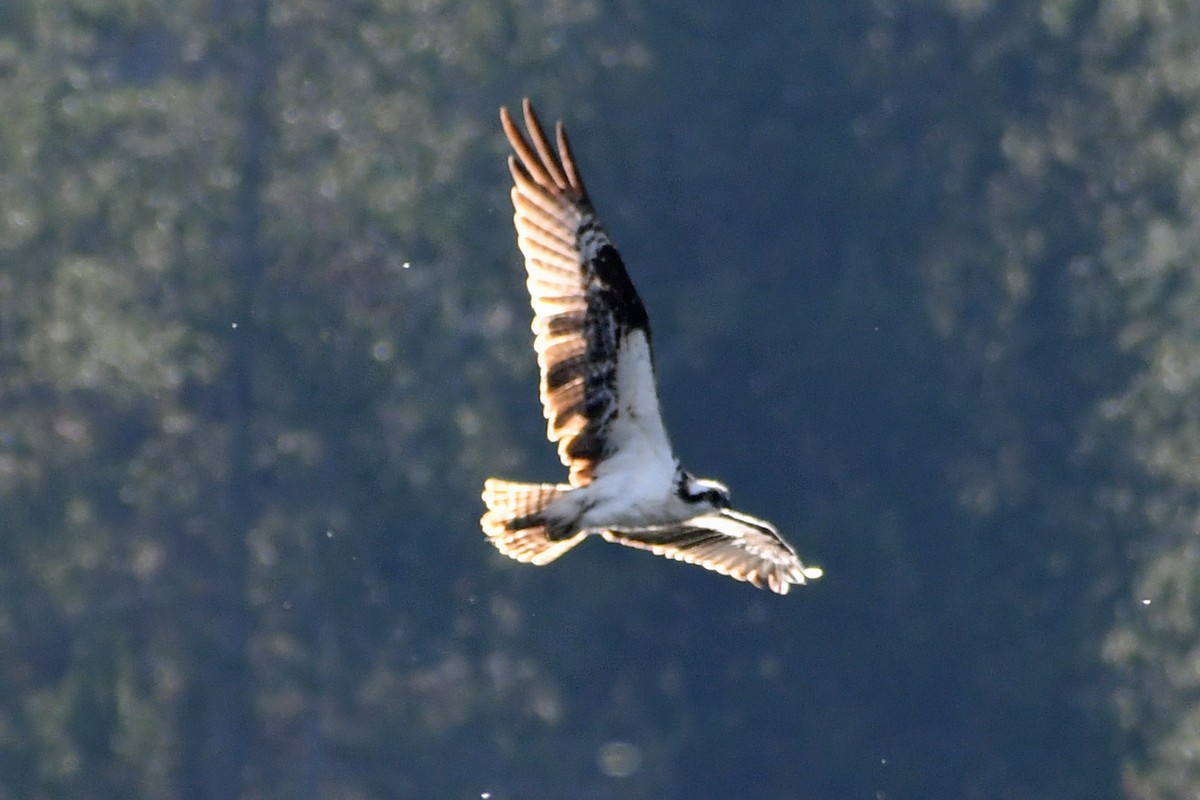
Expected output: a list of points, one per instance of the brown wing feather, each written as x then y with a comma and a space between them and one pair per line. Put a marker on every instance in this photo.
728, 542
581, 297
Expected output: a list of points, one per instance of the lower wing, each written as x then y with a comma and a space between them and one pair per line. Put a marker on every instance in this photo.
728, 542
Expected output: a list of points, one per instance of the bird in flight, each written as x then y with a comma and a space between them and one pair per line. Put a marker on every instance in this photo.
592, 338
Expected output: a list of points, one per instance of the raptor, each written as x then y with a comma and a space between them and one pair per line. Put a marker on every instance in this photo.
598, 392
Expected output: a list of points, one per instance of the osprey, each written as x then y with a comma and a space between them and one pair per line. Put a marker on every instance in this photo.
592, 338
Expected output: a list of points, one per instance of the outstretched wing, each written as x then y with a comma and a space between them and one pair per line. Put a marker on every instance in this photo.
586, 311
728, 542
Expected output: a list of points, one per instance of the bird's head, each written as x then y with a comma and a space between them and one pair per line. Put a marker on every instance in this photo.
704, 493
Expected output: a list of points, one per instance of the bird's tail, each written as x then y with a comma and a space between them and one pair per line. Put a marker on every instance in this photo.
515, 522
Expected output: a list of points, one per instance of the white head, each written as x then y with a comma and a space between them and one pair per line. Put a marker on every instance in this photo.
703, 493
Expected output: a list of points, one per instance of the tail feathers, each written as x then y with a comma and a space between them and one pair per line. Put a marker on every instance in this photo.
515, 524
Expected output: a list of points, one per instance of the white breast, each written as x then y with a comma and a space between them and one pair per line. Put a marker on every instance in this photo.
635, 484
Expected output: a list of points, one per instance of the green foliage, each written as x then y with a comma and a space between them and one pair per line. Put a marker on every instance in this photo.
923, 286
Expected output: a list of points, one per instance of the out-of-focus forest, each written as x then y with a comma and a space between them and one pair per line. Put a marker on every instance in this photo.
925, 292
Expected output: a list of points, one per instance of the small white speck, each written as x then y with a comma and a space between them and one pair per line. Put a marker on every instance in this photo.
883, 761
619, 759
328, 534
1146, 601
233, 325
406, 265
482, 795
382, 351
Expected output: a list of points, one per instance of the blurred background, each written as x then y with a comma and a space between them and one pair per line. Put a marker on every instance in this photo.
924, 284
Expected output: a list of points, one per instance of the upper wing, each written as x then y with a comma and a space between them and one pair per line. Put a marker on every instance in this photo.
583, 301
727, 542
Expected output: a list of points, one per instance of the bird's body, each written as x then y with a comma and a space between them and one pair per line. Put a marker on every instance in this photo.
592, 337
